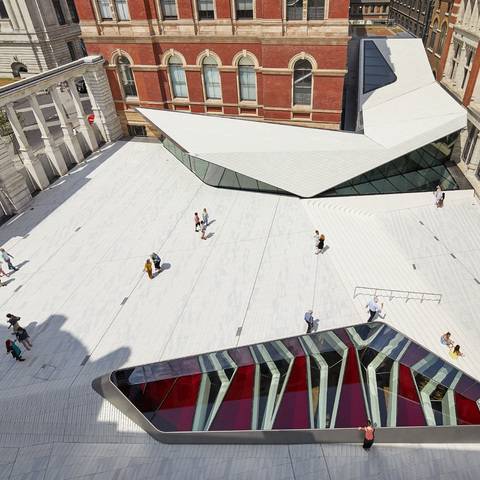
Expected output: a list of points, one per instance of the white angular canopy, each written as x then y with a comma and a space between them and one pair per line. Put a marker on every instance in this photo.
398, 118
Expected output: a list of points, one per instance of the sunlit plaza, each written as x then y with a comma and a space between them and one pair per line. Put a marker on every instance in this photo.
206, 369
90, 309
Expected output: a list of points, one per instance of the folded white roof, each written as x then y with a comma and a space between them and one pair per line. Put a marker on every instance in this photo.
398, 118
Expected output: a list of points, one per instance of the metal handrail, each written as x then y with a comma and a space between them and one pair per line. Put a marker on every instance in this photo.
409, 294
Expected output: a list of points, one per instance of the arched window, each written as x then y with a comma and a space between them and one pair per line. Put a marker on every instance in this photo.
126, 76
441, 40
177, 77
18, 68
211, 79
433, 35
246, 79
302, 83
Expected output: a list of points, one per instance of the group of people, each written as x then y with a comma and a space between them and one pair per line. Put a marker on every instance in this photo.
21, 336
7, 258
201, 225
153, 261
446, 339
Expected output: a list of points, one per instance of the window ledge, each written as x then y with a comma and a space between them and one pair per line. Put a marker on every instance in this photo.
213, 101
132, 100
248, 103
301, 108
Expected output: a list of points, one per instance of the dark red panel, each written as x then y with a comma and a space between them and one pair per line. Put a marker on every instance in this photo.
235, 412
468, 412
351, 409
409, 409
177, 410
153, 394
294, 411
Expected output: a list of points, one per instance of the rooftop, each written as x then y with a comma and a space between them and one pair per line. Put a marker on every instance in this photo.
90, 309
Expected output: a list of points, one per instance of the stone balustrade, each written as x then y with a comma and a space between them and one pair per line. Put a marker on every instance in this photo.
78, 137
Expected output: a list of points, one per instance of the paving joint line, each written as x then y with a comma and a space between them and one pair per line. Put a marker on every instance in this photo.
258, 269
162, 352
291, 463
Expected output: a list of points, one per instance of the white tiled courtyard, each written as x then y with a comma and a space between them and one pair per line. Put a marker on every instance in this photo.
90, 309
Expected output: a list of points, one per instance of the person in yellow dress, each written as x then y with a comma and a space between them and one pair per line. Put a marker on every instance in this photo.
148, 268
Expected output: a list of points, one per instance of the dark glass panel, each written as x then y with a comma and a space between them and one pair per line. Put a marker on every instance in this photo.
468, 412
293, 410
176, 412
213, 175
229, 180
409, 410
235, 412
376, 70
199, 167
413, 354
468, 387
247, 183
351, 408
265, 187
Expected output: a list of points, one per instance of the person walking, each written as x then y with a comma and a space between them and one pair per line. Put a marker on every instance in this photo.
7, 258
203, 229
446, 339
12, 320
205, 217
148, 268
196, 220
157, 261
2, 271
368, 435
316, 240
22, 336
308, 317
455, 353
321, 243
439, 196
14, 349
374, 308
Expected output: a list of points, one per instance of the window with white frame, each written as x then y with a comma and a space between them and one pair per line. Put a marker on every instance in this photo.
470, 144
294, 9
121, 7
467, 67
206, 9
169, 9
211, 79
457, 49
105, 10
126, 77
316, 10
246, 79
302, 82
178, 79
244, 9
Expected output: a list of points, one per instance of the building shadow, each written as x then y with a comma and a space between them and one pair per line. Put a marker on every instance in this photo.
64, 187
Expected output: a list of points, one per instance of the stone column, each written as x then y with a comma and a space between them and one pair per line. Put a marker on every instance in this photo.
31, 162
13, 187
103, 106
51, 149
69, 138
84, 127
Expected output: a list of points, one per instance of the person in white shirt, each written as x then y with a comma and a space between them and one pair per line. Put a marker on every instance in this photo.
439, 196
316, 239
374, 308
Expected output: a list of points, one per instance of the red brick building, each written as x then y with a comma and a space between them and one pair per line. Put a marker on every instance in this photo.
278, 60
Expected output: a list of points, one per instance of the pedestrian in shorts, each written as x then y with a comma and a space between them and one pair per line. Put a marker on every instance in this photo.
309, 319
196, 220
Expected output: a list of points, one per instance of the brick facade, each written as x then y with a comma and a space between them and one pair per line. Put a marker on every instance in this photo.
269, 40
